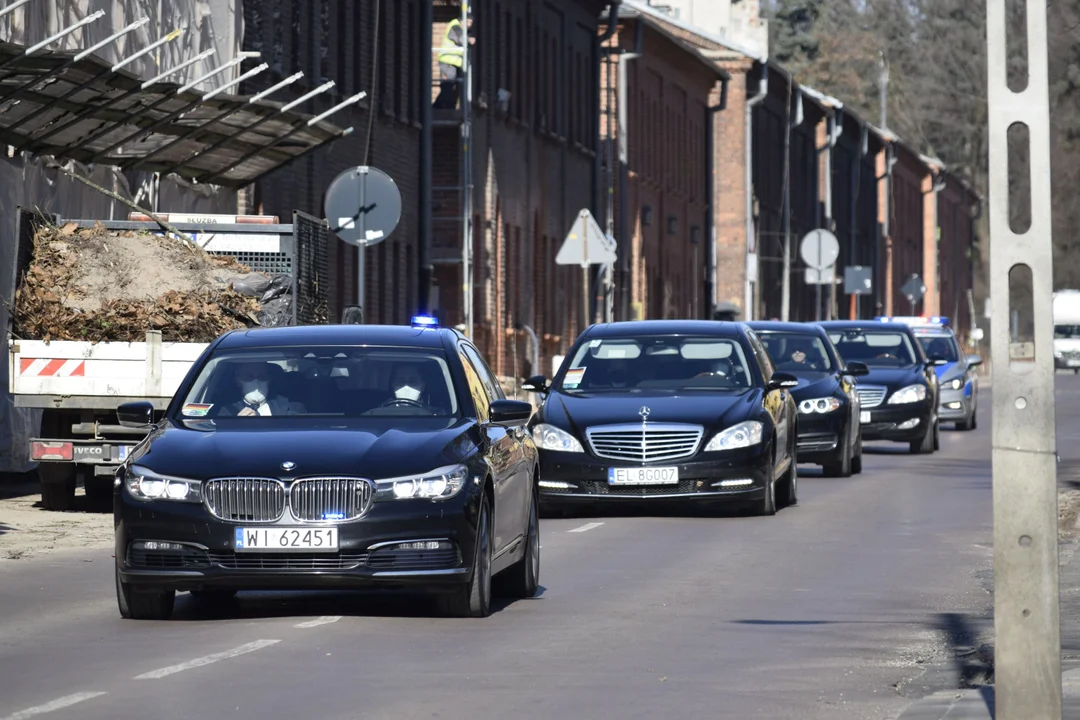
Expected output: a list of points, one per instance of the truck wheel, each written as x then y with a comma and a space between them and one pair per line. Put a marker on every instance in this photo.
57, 486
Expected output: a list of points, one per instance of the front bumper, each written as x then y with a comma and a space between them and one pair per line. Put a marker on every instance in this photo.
365, 557
581, 478
956, 404
898, 423
821, 437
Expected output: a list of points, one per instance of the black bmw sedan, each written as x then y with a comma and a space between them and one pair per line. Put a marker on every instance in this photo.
681, 411
341, 457
829, 431
899, 396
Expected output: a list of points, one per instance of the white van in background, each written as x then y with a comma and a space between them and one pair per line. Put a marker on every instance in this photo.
1067, 330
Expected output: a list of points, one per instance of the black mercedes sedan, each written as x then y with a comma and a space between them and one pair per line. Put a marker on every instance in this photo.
829, 430
659, 410
320, 457
899, 396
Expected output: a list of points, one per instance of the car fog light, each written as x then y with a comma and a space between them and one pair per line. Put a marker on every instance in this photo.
555, 485
741, 482
908, 424
156, 545
425, 545
953, 405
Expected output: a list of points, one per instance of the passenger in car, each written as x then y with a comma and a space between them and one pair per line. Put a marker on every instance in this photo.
254, 381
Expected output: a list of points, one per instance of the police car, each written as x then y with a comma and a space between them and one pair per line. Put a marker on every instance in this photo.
957, 378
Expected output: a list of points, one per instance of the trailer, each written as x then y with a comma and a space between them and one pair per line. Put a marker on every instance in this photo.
77, 386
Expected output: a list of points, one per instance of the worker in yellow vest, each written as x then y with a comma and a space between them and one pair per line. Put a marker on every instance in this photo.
451, 65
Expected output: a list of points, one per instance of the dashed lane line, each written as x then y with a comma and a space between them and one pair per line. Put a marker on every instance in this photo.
206, 660
324, 620
58, 704
587, 527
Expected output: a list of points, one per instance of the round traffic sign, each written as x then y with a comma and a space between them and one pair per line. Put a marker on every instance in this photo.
363, 206
819, 249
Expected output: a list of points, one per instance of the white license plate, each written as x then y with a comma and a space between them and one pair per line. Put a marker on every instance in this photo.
286, 538
864, 416
643, 476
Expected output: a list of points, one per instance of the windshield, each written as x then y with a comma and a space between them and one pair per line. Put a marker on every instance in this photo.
796, 352
344, 382
657, 363
940, 345
876, 348
1067, 332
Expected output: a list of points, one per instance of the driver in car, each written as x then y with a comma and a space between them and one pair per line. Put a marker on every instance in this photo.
799, 356
254, 382
407, 384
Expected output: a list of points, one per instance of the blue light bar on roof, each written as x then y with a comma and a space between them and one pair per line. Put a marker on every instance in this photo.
425, 321
915, 320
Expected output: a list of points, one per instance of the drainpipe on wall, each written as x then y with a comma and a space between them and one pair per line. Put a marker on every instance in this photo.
835, 127
710, 200
599, 52
794, 119
751, 257
625, 235
887, 231
936, 188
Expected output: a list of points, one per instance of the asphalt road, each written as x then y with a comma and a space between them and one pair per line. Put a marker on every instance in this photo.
850, 605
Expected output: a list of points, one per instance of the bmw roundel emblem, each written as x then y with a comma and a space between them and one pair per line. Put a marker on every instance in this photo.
288, 465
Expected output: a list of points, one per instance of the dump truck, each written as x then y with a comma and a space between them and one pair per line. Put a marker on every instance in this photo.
77, 384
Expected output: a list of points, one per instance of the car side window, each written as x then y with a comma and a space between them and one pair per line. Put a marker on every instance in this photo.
764, 361
477, 390
494, 389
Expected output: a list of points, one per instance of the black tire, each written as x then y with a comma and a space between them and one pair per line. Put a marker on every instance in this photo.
57, 486
767, 504
975, 418
925, 446
522, 579
937, 435
856, 459
474, 599
842, 468
143, 606
789, 487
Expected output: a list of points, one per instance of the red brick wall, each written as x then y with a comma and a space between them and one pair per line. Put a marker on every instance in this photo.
668, 91
907, 226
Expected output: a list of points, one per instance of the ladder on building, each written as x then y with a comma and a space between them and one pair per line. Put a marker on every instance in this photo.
460, 192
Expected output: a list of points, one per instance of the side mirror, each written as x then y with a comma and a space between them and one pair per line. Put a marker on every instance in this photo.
536, 384
857, 369
138, 415
783, 380
974, 360
510, 412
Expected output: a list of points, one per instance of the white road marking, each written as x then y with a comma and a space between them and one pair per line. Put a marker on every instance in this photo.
586, 528
58, 704
324, 620
199, 662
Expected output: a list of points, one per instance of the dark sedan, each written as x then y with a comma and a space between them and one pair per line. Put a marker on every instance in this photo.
682, 411
900, 395
342, 457
829, 430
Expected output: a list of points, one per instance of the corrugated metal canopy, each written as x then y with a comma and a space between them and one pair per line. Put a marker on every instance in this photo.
52, 104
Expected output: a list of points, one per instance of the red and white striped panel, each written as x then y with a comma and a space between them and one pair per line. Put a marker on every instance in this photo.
45, 367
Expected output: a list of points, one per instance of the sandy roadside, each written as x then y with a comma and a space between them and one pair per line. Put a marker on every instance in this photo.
27, 530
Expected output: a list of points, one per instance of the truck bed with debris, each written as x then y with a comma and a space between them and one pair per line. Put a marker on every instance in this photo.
105, 313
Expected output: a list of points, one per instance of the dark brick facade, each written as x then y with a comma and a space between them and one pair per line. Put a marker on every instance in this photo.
336, 40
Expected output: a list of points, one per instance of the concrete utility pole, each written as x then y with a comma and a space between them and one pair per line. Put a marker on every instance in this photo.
1026, 608
883, 90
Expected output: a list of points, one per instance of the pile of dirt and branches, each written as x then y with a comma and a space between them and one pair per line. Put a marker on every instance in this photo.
97, 285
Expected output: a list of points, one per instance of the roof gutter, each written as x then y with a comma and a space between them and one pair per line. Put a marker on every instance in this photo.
599, 52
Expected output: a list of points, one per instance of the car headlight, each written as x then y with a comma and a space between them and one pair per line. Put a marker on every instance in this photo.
144, 484
549, 437
910, 394
742, 435
955, 384
819, 405
440, 484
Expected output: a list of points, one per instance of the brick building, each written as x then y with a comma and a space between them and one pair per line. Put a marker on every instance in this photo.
534, 154
957, 210
663, 202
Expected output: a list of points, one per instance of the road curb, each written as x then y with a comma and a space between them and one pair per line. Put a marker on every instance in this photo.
978, 704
